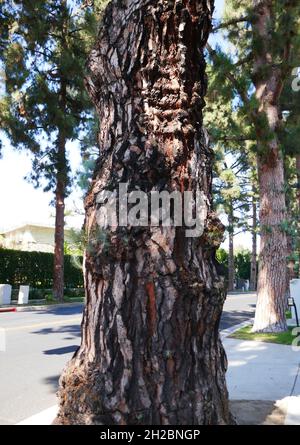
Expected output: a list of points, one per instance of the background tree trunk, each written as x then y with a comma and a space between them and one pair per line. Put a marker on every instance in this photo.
253, 270
271, 295
60, 193
231, 268
271, 291
58, 273
150, 350
59, 234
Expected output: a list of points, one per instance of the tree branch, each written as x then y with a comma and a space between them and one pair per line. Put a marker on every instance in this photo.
243, 95
231, 23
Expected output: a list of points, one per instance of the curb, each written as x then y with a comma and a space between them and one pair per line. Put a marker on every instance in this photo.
9, 309
226, 332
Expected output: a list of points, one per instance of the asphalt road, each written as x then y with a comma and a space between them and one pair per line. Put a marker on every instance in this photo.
238, 308
38, 345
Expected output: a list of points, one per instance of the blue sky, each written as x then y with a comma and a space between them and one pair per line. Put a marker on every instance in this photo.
20, 202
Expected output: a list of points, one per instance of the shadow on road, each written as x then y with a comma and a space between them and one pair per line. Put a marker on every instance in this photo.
52, 381
74, 331
60, 310
60, 351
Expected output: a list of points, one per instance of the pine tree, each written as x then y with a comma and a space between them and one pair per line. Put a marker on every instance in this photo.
7, 23
263, 33
232, 196
45, 104
235, 180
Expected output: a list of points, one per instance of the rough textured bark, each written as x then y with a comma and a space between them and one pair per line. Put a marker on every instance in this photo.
290, 263
271, 297
150, 350
231, 268
290, 251
253, 270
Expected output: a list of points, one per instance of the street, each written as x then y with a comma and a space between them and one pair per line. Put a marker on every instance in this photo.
39, 343
238, 308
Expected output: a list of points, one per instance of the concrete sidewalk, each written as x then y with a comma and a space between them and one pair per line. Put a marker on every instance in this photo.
266, 374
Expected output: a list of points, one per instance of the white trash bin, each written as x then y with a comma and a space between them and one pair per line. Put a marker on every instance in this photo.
5, 293
295, 293
23, 295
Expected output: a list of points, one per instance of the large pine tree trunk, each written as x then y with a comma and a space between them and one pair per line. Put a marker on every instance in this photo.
253, 269
150, 350
272, 279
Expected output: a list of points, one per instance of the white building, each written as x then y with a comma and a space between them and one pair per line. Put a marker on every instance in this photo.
31, 237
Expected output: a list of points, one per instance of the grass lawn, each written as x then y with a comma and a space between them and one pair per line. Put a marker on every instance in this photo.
283, 338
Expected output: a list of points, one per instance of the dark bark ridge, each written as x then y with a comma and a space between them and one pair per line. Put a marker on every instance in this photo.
150, 351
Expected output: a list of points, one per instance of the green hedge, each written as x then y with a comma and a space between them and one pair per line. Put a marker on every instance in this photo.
35, 269
242, 262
